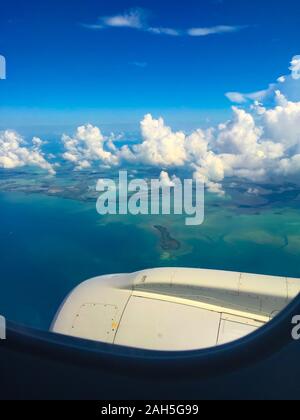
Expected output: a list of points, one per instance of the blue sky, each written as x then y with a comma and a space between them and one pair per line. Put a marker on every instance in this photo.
110, 62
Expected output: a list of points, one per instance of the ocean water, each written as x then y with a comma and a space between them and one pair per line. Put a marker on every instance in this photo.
50, 244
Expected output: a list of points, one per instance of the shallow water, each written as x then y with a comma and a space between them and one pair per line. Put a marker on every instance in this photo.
48, 245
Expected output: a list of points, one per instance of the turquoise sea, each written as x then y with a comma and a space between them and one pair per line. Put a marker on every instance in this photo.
49, 244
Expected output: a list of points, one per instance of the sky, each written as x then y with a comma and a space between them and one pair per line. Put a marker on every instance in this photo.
73, 62
209, 87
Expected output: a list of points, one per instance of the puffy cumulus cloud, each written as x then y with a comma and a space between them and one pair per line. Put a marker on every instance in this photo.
282, 123
167, 181
16, 153
161, 146
210, 170
287, 84
260, 143
244, 149
254, 146
295, 67
239, 135
87, 146
197, 144
215, 188
289, 166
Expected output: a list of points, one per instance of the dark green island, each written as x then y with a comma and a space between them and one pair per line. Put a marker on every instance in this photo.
167, 243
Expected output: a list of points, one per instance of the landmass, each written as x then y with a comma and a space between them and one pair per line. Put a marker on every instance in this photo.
167, 243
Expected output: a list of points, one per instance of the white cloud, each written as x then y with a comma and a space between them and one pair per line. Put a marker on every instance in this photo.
239, 135
257, 147
241, 98
295, 67
281, 79
137, 19
221, 29
215, 188
166, 181
15, 153
165, 31
161, 146
289, 166
236, 97
287, 84
132, 19
282, 123
258, 144
86, 146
